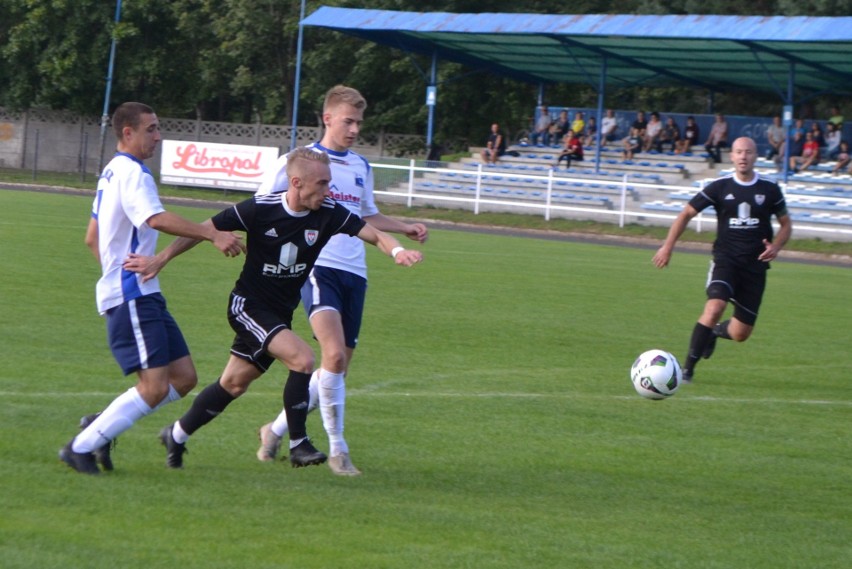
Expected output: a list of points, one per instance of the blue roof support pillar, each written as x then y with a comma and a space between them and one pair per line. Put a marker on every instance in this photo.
540, 94
788, 109
107, 96
432, 99
599, 120
295, 129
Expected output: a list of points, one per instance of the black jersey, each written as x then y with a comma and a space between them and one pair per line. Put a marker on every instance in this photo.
282, 245
744, 217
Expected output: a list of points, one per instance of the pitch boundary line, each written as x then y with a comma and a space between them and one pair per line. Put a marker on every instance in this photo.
483, 395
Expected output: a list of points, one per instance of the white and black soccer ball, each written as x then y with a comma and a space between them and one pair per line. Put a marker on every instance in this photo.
656, 374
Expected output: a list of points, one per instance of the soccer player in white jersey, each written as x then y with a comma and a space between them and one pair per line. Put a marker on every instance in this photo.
334, 294
144, 338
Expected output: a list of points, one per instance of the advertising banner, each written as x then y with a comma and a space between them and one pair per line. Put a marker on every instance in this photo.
213, 165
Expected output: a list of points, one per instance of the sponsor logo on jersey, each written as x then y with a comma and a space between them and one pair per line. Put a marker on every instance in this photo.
311, 236
287, 266
343, 196
745, 220
271, 233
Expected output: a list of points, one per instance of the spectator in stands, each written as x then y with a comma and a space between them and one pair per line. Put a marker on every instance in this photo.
541, 131
560, 127
669, 135
572, 147
843, 158
832, 141
691, 136
818, 136
640, 124
609, 125
797, 145
652, 132
579, 124
775, 136
809, 157
836, 118
495, 147
591, 133
800, 127
718, 139
632, 144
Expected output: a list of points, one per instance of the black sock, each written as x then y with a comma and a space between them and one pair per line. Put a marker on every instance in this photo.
721, 330
296, 398
701, 335
207, 406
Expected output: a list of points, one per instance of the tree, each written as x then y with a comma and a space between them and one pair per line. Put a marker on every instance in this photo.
44, 68
235, 60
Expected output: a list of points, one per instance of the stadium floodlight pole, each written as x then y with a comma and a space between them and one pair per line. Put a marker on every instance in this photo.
294, 131
105, 115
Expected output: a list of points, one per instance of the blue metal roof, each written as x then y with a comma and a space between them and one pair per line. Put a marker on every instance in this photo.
714, 52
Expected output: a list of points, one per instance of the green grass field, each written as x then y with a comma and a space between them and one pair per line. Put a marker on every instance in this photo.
489, 407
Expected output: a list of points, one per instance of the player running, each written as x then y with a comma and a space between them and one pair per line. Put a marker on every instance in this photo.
334, 294
744, 246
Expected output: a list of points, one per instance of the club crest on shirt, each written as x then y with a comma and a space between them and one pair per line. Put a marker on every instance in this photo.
311, 236
359, 181
759, 199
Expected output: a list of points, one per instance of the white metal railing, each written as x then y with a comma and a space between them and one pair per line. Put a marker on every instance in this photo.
403, 187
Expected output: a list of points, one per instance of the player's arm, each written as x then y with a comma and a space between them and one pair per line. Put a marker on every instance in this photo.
388, 245
414, 231
92, 238
150, 266
228, 243
784, 233
664, 253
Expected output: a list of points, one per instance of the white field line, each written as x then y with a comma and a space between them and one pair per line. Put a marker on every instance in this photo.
482, 395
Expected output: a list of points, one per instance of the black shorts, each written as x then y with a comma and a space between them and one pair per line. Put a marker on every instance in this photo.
744, 288
255, 324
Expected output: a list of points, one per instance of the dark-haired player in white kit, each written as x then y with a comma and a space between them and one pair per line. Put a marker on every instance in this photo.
744, 204
127, 217
335, 292
285, 234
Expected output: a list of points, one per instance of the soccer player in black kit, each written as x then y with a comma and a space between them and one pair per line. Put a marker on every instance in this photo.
285, 233
744, 204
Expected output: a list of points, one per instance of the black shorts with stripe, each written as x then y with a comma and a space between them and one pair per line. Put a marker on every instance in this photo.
255, 324
744, 288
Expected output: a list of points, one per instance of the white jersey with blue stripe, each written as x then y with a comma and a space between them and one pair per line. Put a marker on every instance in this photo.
126, 198
352, 187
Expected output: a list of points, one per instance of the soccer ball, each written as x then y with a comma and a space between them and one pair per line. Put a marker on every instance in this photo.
656, 374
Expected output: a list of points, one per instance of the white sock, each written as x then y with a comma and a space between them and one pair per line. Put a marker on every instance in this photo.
121, 414
332, 397
178, 434
172, 395
279, 425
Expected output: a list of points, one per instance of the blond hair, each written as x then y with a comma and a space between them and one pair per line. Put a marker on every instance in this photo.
301, 154
340, 94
